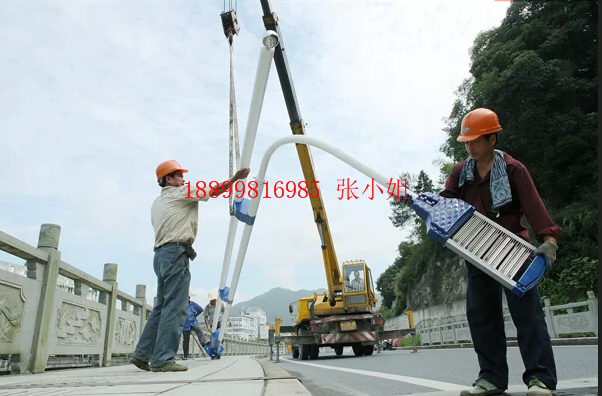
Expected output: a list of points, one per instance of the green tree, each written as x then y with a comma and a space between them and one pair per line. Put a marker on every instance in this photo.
538, 71
385, 284
402, 212
387, 313
414, 256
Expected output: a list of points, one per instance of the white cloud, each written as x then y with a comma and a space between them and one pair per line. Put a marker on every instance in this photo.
95, 94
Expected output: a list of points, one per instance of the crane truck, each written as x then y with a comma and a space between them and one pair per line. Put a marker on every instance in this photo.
342, 316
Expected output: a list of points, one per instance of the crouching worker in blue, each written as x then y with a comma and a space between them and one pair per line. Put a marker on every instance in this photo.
192, 324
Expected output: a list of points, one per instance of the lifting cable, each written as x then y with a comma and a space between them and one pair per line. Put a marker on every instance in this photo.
231, 27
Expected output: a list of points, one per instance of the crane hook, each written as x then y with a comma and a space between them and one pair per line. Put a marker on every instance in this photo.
230, 24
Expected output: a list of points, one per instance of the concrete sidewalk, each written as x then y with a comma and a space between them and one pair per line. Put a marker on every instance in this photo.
230, 375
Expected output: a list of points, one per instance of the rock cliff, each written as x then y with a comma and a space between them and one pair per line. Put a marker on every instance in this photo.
442, 284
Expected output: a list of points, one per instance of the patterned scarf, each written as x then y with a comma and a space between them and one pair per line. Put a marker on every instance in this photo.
499, 183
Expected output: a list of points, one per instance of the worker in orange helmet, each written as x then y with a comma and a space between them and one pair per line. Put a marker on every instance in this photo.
500, 187
174, 217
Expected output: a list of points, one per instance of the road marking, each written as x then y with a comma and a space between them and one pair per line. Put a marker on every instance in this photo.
444, 386
520, 389
469, 347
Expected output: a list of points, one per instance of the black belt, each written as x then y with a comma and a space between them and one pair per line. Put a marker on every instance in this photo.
184, 244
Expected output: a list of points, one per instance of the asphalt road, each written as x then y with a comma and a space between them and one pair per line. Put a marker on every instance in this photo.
447, 371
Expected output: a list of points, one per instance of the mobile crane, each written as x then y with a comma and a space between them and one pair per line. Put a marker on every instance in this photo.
343, 316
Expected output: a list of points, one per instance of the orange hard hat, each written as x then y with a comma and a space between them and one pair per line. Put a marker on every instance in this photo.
167, 167
477, 123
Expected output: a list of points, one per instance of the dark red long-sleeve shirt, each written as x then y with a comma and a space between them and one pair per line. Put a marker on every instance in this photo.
525, 200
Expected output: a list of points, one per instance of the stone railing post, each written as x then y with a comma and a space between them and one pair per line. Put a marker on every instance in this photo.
48, 241
110, 300
592, 303
78, 288
141, 311
548, 317
35, 269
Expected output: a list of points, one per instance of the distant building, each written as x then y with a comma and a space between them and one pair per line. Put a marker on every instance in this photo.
261, 320
14, 268
242, 327
64, 284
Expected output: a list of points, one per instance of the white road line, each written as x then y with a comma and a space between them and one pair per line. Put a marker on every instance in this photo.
566, 384
444, 386
469, 347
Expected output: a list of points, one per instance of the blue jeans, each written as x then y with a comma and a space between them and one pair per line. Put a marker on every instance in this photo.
160, 339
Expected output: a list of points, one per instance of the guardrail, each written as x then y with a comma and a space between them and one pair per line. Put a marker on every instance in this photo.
233, 346
40, 323
561, 320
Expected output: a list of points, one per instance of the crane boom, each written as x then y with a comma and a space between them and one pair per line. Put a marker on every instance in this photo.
345, 317
331, 266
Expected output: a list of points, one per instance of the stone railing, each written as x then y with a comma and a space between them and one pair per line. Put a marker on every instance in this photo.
232, 347
453, 328
41, 324
240, 347
38, 321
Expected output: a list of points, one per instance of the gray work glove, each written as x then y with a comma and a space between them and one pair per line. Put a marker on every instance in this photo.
548, 249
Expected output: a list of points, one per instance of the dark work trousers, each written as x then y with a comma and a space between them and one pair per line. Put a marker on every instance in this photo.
186, 337
160, 339
485, 320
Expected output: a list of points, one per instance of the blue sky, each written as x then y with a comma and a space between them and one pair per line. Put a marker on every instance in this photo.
94, 94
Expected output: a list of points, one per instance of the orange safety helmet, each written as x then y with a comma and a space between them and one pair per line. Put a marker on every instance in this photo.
165, 168
477, 123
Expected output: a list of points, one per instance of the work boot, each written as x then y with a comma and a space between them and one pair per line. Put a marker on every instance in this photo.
538, 388
140, 364
482, 387
170, 367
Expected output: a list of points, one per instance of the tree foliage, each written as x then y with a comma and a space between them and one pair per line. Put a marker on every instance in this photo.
414, 256
402, 213
538, 71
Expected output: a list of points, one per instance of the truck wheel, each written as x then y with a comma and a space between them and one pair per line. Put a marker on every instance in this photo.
314, 352
304, 351
295, 352
368, 349
338, 350
357, 349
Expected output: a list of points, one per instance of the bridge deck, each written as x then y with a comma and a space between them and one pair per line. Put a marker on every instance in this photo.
230, 375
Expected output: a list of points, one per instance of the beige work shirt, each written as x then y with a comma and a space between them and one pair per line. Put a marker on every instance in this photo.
175, 217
